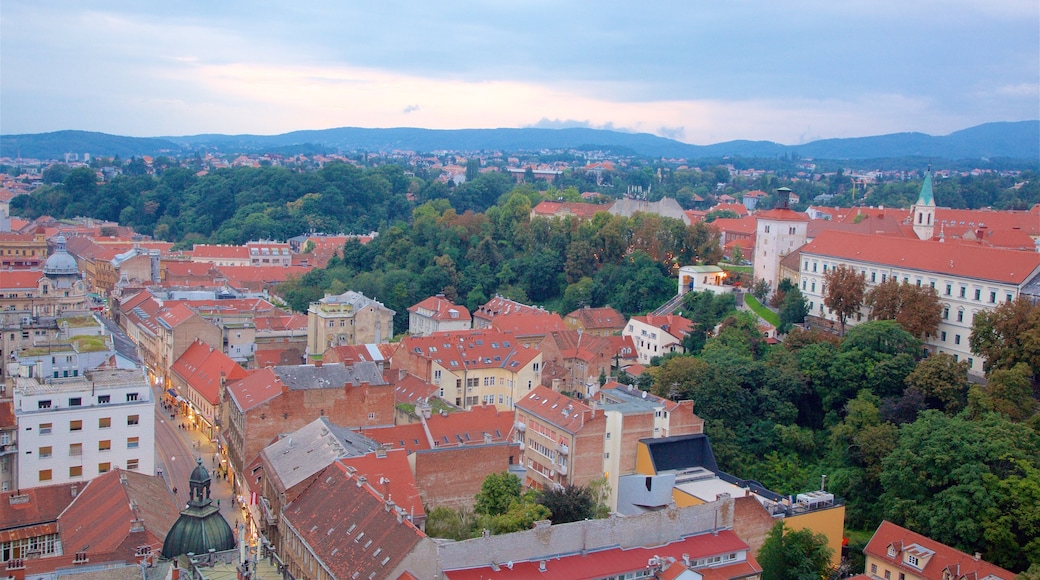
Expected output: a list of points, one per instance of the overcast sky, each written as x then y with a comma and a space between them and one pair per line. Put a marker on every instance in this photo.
694, 70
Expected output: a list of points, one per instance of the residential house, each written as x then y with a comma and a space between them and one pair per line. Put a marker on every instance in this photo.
896, 552
437, 314
564, 209
282, 399
199, 378
29, 520
528, 328
601, 321
266, 253
574, 361
561, 439
655, 336
472, 367
666, 207
78, 428
500, 306
703, 278
220, 255
349, 318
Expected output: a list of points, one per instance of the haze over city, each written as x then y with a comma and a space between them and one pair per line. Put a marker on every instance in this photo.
696, 73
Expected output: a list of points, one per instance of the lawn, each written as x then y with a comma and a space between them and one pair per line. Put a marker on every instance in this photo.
763, 312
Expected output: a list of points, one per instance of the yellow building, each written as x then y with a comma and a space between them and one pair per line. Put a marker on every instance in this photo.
347, 319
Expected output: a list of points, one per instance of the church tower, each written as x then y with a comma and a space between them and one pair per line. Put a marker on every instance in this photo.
924, 210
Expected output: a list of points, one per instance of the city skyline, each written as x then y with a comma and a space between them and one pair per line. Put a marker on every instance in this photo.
701, 75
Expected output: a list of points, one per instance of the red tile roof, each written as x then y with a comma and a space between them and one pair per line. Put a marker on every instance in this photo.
673, 324
737, 208
203, 367
603, 317
963, 260
256, 389
220, 252
442, 309
746, 225
524, 325
470, 349
280, 323
785, 215
20, 279
470, 427
942, 556
175, 315
34, 506
335, 511
271, 357
616, 561
391, 475
411, 436
566, 413
412, 389
563, 208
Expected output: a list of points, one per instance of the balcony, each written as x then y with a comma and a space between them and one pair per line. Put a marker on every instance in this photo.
521, 427
562, 449
561, 469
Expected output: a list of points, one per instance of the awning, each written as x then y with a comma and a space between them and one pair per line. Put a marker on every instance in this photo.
171, 392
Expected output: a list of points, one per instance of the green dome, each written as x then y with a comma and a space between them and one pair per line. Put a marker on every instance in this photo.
200, 528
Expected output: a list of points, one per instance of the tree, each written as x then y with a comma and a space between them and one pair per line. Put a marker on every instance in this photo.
498, 492
1010, 393
1008, 335
970, 484
845, 291
793, 309
571, 503
943, 381
916, 308
760, 289
794, 555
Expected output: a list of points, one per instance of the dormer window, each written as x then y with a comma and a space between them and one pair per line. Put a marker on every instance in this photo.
913, 561
891, 551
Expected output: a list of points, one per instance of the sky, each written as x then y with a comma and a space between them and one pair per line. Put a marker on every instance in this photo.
697, 71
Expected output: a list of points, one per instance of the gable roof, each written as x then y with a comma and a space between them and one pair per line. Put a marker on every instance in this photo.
440, 308
390, 473
310, 449
203, 367
521, 324
34, 511
603, 317
555, 408
935, 556
673, 324
470, 427
962, 260
470, 349
411, 436
344, 522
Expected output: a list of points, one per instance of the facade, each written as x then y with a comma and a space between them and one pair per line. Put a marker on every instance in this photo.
472, 367
265, 253
220, 255
655, 336
969, 278
602, 321
22, 251
199, 378
573, 361
278, 400
780, 231
500, 306
437, 314
349, 318
896, 552
701, 278
8, 446
58, 289
79, 428
561, 439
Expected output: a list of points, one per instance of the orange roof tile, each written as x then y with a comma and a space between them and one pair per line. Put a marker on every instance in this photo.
560, 410
410, 437
392, 476
471, 427
441, 308
938, 556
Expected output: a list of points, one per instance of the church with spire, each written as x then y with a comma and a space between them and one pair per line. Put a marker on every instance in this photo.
923, 211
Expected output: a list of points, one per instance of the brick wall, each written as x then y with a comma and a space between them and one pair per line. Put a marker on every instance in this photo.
451, 476
587, 454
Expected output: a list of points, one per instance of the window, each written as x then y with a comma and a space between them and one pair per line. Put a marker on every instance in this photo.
993, 297
132, 442
960, 316
75, 449
44, 404
104, 467
131, 397
104, 445
946, 313
791, 230
45, 475
888, 575
133, 419
535, 367
76, 425
767, 229
964, 291
913, 561
45, 452
873, 568
1007, 297
132, 464
76, 471
949, 289
103, 399
371, 415
436, 376
104, 422
978, 294
873, 276
45, 428
942, 336
75, 401
956, 339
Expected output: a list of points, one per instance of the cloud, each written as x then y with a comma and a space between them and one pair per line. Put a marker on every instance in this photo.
411, 109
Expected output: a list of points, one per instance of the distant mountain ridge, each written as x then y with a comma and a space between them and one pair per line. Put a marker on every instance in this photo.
1014, 140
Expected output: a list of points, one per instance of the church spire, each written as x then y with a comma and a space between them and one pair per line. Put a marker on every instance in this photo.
924, 210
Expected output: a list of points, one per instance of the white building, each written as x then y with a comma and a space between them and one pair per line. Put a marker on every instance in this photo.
657, 335
78, 428
779, 232
969, 278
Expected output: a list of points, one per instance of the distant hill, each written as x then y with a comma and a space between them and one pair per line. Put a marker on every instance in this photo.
1017, 140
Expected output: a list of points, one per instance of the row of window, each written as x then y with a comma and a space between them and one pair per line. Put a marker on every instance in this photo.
76, 449
962, 291
77, 470
77, 424
78, 401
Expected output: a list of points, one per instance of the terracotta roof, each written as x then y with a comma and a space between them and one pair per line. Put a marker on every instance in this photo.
524, 325
101, 519
280, 322
962, 260
737, 208
411, 437
256, 389
500, 305
7, 419
617, 561
391, 475
412, 389
35, 506
784, 215
262, 274
744, 225
203, 367
20, 279
220, 252
552, 407
935, 556
603, 317
442, 309
269, 357
335, 511
175, 315
470, 427
352, 353
470, 349
675, 325
564, 208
